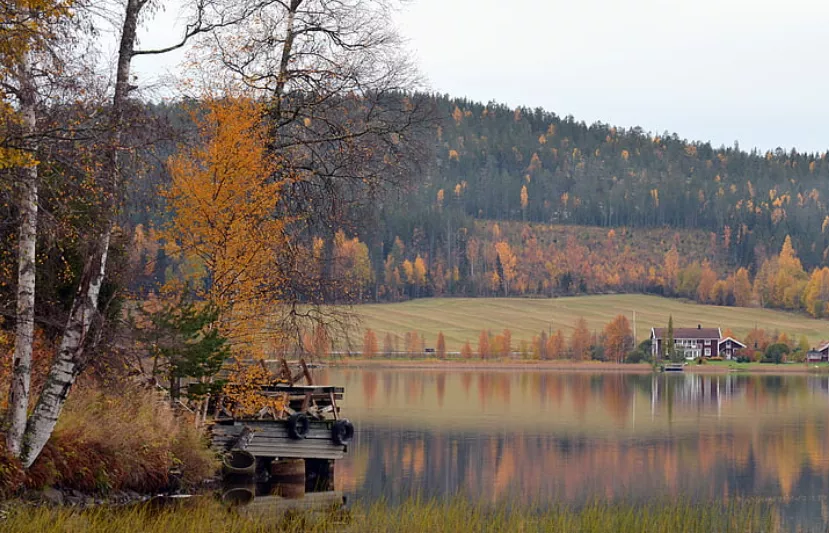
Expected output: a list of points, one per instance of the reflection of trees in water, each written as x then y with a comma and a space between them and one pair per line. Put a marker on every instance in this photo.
369, 386
395, 463
769, 436
466, 382
441, 388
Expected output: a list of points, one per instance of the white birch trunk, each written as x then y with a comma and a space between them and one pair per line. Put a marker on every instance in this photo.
70, 359
68, 365
26, 246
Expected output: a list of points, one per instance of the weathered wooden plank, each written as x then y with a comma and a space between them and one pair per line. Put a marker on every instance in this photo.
302, 389
298, 444
314, 433
293, 453
287, 451
291, 448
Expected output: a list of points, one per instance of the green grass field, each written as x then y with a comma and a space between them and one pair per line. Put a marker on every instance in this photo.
462, 319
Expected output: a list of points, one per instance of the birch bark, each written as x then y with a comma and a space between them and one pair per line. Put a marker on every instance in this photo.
27, 239
70, 359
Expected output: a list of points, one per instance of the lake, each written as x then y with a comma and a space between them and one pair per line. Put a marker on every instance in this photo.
540, 436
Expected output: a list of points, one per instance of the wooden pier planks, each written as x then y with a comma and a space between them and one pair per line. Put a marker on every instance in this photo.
271, 439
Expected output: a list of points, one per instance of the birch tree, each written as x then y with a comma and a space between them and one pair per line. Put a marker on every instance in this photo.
28, 29
339, 110
80, 328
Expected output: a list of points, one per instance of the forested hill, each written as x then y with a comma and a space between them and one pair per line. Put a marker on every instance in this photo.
524, 202
498, 163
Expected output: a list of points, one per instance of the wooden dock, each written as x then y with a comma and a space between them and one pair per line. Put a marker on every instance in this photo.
290, 443
271, 439
673, 367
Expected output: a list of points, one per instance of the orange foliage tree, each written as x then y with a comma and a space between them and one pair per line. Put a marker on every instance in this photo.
555, 345
466, 351
441, 346
413, 343
618, 339
483, 345
224, 230
580, 341
506, 343
370, 344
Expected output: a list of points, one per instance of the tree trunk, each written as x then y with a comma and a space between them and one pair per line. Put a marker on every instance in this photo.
27, 239
70, 359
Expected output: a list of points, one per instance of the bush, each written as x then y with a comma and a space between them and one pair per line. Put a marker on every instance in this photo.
797, 356
125, 441
597, 353
637, 356
776, 353
12, 475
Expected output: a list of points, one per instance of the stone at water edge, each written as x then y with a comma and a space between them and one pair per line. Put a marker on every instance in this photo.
52, 496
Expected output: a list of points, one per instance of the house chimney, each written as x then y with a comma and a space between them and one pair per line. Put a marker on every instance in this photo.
699, 326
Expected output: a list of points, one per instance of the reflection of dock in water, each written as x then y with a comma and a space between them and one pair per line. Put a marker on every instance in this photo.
274, 499
273, 505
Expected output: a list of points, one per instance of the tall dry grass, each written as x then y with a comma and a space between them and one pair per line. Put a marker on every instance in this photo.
123, 439
413, 516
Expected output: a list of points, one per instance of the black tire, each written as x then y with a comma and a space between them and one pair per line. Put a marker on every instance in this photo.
298, 425
342, 431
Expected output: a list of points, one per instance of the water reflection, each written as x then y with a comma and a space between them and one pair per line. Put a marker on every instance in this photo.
550, 436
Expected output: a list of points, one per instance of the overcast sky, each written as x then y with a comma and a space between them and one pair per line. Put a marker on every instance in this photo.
753, 71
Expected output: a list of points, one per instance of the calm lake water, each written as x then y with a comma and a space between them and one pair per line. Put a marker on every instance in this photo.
537, 436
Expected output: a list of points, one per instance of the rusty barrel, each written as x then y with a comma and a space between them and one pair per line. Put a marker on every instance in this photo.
288, 478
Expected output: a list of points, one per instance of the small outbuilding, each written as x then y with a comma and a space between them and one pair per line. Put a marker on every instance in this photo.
815, 356
729, 346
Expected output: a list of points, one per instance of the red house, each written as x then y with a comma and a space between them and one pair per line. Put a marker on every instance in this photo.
691, 342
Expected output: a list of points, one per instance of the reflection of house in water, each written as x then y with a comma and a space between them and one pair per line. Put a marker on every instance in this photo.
819, 384
695, 390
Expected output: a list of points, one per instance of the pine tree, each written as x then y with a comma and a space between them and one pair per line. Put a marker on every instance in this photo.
669, 349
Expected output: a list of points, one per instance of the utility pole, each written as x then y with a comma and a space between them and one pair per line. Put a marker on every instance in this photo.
634, 329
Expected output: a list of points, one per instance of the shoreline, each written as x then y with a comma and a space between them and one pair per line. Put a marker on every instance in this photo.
573, 366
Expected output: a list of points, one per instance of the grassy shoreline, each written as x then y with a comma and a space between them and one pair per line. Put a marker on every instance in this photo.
710, 367
415, 515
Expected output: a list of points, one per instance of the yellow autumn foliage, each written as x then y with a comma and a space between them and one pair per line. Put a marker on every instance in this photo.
224, 196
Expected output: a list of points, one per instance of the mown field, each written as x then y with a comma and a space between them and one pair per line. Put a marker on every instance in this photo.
462, 319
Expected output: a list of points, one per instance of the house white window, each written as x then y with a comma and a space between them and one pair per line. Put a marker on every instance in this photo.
708, 352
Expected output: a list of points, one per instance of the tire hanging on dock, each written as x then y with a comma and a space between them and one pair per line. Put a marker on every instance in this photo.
342, 431
298, 425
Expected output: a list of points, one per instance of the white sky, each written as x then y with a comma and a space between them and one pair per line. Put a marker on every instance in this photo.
754, 71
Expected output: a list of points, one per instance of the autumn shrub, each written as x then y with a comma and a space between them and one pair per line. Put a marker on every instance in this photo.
636, 356
466, 351
129, 440
12, 476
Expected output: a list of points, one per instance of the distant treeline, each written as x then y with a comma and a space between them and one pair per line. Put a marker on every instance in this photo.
523, 202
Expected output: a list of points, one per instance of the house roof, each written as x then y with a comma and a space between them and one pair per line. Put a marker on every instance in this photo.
688, 333
732, 339
822, 346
